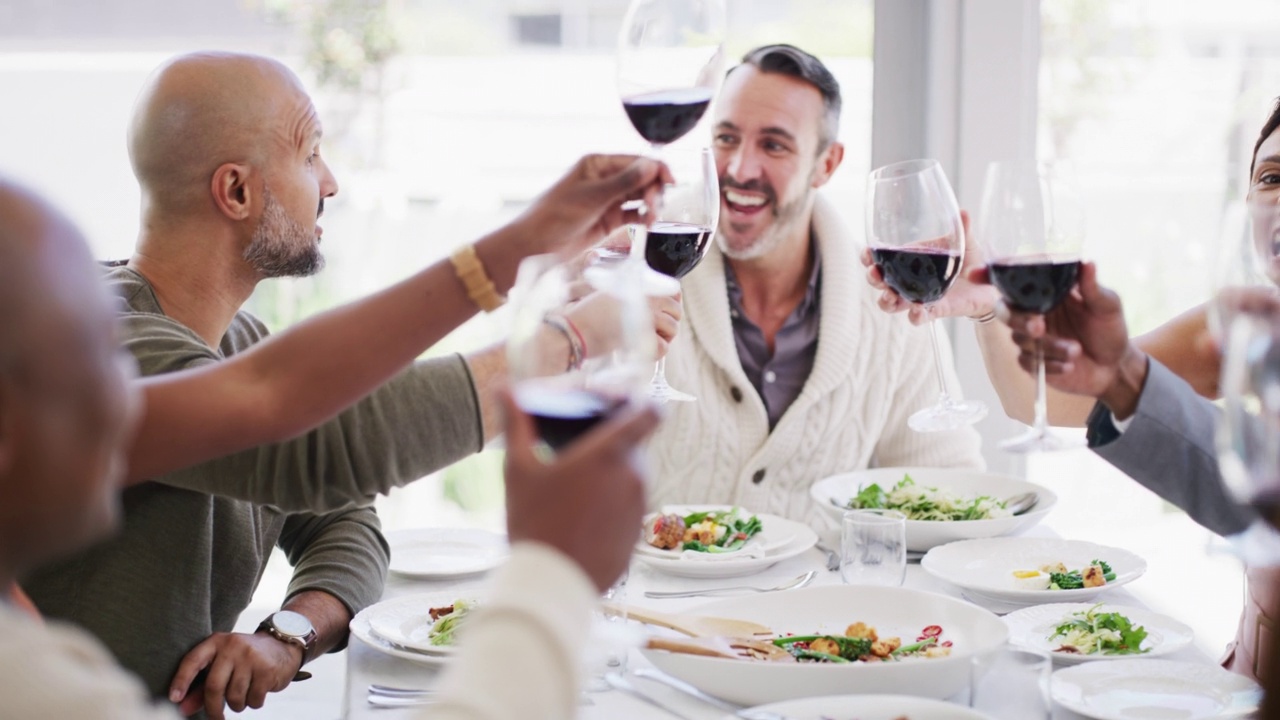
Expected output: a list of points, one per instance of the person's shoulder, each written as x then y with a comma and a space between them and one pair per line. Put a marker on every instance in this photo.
57, 671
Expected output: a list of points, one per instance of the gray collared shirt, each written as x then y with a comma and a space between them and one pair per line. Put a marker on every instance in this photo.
778, 378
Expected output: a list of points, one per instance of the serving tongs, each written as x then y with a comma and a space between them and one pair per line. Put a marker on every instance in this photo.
693, 625
733, 648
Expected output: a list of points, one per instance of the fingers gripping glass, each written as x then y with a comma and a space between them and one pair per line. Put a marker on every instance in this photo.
1032, 227
917, 242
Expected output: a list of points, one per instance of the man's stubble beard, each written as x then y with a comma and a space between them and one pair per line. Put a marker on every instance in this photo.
785, 219
280, 246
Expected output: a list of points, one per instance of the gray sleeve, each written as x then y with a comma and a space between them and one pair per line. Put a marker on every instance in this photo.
1169, 449
341, 553
424, 419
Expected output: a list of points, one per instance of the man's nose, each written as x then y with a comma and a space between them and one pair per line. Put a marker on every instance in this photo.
328, 183
744, 164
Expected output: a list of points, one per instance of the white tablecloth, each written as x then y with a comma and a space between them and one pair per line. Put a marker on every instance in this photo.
366, 665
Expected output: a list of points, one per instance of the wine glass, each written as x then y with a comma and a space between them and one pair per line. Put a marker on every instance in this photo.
669, 65
554, 300
1032, 231
917, 242
679, 238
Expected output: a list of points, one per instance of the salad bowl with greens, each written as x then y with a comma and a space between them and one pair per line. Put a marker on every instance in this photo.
942, 505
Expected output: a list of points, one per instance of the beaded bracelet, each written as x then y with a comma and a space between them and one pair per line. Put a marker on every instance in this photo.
577, 348
469, 269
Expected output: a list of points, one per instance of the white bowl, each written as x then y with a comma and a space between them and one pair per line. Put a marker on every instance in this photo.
984, 569
925, 534
892, 611
868, 707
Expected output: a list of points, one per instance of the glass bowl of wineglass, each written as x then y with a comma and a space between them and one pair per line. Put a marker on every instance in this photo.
1032, 229
917, 242
552, 379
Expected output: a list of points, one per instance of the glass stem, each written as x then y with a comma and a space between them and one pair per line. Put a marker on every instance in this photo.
943, 398
1041, 407
660, 372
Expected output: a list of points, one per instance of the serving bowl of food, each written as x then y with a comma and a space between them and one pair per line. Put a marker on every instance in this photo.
867, 707
843, 640
942, 505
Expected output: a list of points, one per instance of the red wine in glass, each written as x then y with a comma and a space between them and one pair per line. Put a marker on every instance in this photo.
919, 275
667, 115
1035, 286
563, 415
674, 248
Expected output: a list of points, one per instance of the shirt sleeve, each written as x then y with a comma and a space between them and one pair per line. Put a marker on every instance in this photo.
424, 419
1169, 449
342, 553
522, 652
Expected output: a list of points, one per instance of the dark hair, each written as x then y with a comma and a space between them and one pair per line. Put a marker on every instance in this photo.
1273, 122
794, 62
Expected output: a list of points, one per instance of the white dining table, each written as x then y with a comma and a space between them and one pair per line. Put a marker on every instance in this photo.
367, 665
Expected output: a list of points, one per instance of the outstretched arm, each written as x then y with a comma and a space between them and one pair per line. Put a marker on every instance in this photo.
306, 375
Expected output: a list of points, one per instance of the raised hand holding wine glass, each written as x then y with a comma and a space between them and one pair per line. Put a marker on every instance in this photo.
1033, 230
553, 380
917, 241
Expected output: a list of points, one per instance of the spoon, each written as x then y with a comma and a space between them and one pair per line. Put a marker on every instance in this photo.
1016, 505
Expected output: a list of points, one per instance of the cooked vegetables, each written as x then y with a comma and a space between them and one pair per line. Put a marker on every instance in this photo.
924, 503
711, 531
447, 621
861, 644
1057, 577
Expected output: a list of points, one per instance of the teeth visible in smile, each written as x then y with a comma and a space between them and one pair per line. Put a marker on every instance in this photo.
746, 200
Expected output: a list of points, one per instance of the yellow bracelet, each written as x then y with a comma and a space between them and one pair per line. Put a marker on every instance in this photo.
471, 272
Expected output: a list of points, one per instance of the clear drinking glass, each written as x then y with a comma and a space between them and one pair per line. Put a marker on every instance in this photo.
873, 547
917, 242
1011, 684
1032, 229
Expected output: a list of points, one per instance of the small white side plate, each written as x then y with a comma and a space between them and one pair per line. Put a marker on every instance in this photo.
434, 553
1129, 689
1031, 627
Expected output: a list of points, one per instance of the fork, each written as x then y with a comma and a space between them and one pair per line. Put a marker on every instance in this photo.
799, 582
833, 558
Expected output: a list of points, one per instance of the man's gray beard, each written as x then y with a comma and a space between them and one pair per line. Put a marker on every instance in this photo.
281, 247
783, 220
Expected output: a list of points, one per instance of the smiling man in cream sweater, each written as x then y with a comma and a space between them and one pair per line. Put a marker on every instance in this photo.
797, 373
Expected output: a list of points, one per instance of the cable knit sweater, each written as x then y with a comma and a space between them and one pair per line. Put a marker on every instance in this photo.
871, 372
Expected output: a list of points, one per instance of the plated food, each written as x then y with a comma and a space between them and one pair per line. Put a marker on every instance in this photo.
1074, 633
986, 570
826, 611
918, 502
422, 628
709, 531
861, 643
1056, 576
946, 495
446, 620
727, 541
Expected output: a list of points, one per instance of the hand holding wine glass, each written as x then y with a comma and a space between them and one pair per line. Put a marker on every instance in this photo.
916, 239
1032, 230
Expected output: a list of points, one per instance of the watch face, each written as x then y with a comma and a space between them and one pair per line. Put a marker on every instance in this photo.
291, 623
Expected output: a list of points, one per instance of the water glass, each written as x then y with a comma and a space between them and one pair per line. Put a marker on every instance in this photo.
873, 547
1011, 684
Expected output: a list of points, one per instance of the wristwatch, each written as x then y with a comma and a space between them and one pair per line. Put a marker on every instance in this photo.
290, 627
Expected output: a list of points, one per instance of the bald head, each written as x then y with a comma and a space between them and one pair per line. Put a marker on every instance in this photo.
65, 409
203, 110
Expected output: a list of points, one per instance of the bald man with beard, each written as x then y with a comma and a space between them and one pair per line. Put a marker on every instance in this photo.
68, 414
226, 151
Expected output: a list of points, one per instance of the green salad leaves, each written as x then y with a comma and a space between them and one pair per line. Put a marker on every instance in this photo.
1090, 632
922, 503
720, 531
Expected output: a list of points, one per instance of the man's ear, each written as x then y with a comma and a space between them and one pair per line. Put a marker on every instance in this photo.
233, 190
828, 160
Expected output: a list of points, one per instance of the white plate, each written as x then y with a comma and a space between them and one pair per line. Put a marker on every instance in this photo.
433, 553
892, 611
868, 707
984, 569
405, 621
775, 533
1031, 627
721, 566
361, 629
1131, 689
925, 534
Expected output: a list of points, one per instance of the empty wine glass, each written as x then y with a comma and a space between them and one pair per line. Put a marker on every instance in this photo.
917, 242
1032, 229
554, 302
